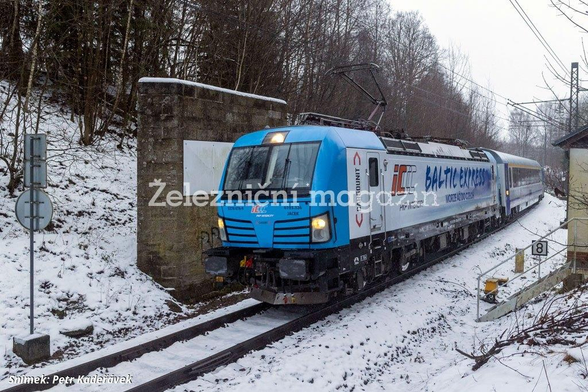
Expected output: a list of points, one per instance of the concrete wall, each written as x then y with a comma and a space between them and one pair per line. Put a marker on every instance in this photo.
169, 239
578, 195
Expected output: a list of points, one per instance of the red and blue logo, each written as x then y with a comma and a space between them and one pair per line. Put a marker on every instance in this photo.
403, 180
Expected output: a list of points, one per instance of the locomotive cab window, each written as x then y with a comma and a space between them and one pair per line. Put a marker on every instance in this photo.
373, 167
277, 167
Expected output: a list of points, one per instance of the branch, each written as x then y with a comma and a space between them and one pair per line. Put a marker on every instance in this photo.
566, 15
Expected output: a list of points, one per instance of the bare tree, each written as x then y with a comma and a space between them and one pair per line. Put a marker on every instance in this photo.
522, 134
93, 53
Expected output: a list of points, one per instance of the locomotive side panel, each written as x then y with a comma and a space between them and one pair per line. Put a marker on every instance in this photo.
426, 189
414, 190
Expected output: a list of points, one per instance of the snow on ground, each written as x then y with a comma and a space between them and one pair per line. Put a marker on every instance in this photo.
404, 339
532, 363
85, 266
188, 353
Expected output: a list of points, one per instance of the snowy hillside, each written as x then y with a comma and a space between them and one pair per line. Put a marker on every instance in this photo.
85, 264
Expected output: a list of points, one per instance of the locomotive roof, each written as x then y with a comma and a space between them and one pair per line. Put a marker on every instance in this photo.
346, 137
308, 133
353, 138
431, 149
502, 157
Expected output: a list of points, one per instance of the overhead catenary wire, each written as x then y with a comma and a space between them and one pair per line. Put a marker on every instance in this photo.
507, 101
560, 100
543, 101
529, 22
534, 114
465, 115
538, 116
494, 93
562, 79
474, 83
199, 8
452, 99
196, 7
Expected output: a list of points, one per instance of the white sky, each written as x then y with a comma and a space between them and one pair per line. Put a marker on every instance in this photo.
504, 54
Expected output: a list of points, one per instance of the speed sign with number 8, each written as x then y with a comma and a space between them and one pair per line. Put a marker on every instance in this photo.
539, 248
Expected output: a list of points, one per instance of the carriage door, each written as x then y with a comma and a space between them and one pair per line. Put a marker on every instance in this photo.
375, 182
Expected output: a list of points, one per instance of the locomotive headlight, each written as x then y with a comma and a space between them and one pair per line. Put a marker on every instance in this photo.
275, 137
320, 228
319, 223
221, 229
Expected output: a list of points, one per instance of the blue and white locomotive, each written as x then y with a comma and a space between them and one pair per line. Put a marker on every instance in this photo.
311, 212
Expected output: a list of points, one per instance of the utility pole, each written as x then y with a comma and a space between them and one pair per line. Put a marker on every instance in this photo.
545, 145
574, 101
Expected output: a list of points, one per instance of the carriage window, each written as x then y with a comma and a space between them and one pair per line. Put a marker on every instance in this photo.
525, 176
374, 178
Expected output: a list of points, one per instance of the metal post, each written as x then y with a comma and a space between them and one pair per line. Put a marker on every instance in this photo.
478, 300
32, 234
519, 260
574, 100
539, 267
545, 147
575, 238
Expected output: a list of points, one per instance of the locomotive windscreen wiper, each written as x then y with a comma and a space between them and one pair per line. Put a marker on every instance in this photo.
286, 171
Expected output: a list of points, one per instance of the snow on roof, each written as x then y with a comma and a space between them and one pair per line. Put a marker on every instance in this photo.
209, 87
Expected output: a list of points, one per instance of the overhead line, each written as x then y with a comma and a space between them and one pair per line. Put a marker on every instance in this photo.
541, 116
477, 84
560, 101
534, 114
465, 115
447, 97
547, 101
537, 33
494, 93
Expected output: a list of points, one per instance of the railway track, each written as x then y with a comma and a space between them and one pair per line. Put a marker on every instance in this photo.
258, 325
129, 354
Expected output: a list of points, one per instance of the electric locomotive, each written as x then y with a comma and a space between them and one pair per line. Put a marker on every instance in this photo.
311, 212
